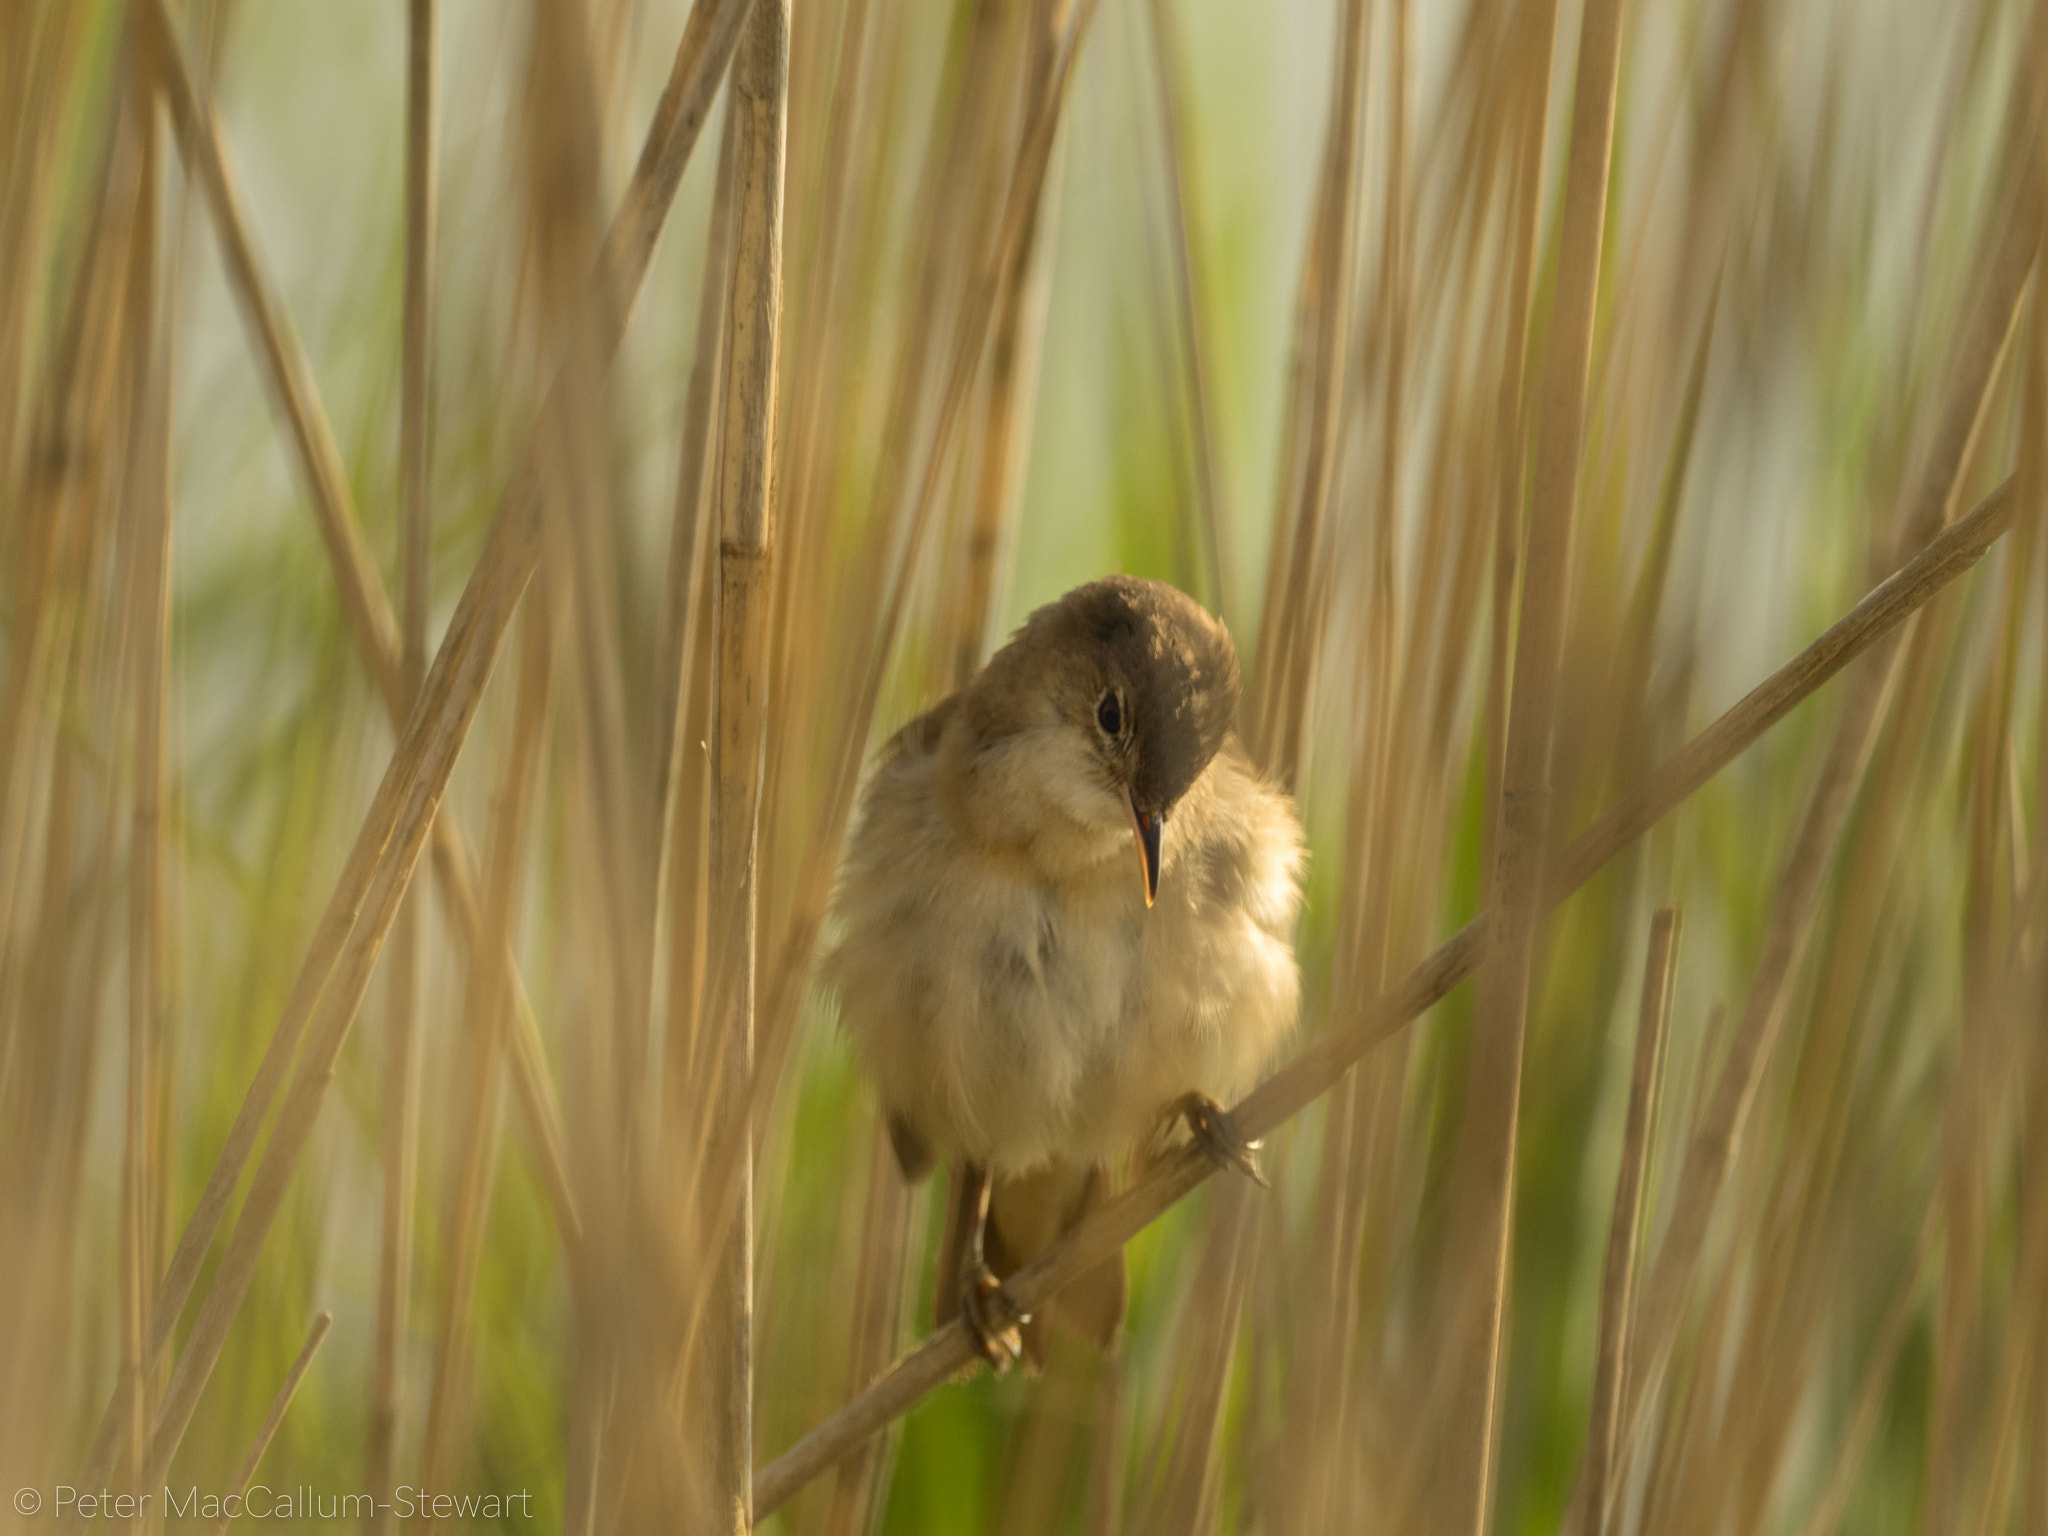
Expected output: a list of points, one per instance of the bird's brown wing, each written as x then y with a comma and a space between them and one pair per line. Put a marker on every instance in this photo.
913, 1157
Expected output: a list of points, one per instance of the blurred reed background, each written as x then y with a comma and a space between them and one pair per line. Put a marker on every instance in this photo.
1511, 375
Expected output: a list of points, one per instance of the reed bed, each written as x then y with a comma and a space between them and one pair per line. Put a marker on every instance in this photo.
478, 482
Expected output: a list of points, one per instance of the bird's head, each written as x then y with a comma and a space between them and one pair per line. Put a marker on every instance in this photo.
1108, 704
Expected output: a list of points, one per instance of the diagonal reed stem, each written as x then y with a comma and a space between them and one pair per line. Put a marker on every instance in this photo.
947, 1351
370, 618
1940, 475
1618, 1281
1878, 1365
351, 932
474, 1151
239, 1483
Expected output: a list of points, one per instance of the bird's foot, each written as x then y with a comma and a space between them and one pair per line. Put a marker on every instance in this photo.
1216, 1133
993, 1322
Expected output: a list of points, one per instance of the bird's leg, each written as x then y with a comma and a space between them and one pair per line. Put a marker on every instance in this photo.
1216, 1133
992, 1319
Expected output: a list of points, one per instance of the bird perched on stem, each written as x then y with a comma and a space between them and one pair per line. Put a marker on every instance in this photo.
1065, 927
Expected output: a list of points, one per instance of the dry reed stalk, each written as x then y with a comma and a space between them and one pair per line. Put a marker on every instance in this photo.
1970, 1126
1386, 817
1283, 665
947, 183
1020, 202
351, 931
813, 597
1667, 1503
475, 1150
1712, 1148
44, 492
1392, 322
1799, 1288
1475, 129
1376, 1228
683, 880
415, 421
41, 47
238, 1485
1638, 341
2031, 1288
817, 327
474, 1147
145, 550
1624, 778
1387, 914
1006, 419
47, 1034
53, 457
1797, 1277
1484, 1183
1504, 77
1992, 1073
612, 867
1356, 1134
1872, 1389
689, 530
290, 374
1326, 1286
370, 616
1710, 1476
1787, 1286
760, 115
1209, 1327
947, 247
1782, 1262
1292, 469
400, 1154
686, 871
959, 194
1601, 1481
1105, 1498
2031, 906
1636, 650
1170, 70
880, 1282
1990, 1509
1966, 83
1005, 434
589, 1421
409, 945
1508, 454
690, 1374
1990, 1060
1315, 1069
1039, 1475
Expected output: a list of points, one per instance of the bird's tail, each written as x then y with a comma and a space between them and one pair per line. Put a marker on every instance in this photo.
1026, 1217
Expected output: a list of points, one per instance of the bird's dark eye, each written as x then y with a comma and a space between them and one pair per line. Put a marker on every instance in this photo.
1109, 714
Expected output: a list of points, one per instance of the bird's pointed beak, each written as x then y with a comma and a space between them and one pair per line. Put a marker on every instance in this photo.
1145, 827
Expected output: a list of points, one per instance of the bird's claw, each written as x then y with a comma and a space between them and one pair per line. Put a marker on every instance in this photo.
993, 1322
1216, 1133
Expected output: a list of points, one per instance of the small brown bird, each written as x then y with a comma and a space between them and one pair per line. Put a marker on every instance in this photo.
1031, 999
